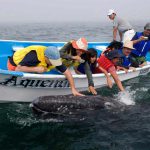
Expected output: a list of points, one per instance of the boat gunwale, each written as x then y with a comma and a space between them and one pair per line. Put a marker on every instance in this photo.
52, 76
61, 42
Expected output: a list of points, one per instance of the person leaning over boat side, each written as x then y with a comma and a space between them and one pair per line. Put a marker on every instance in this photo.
71, 52
108, 62
88, 68
39, 59
121, 25
141, 43
126, 62
71, 57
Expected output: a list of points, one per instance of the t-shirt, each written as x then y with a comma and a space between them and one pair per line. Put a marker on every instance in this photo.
142, 47
121, 24
30, 59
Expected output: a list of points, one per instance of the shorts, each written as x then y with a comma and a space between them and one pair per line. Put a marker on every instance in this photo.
128, 35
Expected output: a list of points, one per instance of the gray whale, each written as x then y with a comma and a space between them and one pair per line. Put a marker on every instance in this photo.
70, 105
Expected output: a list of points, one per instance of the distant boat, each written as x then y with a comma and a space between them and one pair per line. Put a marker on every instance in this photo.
24, 87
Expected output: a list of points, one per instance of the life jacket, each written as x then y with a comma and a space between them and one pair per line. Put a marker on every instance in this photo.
104, 62
142, 47
125, 60
20, 54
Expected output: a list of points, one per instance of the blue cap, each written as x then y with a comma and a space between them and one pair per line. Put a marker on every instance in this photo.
54, 56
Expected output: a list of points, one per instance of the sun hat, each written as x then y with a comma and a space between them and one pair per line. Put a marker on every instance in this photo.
53, 55
147, 26
80, 44
113, 54
128, 44
110, 12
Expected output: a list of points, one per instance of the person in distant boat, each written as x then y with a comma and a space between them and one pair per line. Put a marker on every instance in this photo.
141, 42
109, 62
40, 59
88, 68
121, 25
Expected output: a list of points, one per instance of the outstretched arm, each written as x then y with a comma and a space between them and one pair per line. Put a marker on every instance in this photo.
69, 77
90, 78
117, 80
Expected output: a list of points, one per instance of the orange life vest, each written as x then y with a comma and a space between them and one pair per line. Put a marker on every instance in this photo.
104, 62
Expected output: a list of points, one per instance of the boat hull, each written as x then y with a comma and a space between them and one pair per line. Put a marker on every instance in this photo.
26, 88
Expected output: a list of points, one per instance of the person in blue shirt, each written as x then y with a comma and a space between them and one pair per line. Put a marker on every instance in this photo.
126, 61
141, 42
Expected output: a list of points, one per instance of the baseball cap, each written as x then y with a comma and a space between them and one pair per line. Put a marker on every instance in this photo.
110, 12
147, 26
80, 44
54, 56
113, 54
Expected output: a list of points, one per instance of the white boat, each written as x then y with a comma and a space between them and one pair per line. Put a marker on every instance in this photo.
24, 87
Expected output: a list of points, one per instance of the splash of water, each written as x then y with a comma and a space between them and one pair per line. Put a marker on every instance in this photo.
126, 97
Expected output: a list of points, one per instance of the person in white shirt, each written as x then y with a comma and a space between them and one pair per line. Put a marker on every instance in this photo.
121, 25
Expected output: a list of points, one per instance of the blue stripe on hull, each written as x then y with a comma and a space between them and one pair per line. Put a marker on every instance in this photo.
14, 73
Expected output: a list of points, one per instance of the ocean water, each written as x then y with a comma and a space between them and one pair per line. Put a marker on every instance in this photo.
105, 129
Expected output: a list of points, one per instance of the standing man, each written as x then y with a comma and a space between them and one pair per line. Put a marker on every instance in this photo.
124, 28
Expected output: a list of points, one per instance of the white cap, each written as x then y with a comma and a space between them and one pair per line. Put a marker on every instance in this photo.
110, 12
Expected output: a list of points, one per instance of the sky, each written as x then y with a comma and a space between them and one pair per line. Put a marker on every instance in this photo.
72, 10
